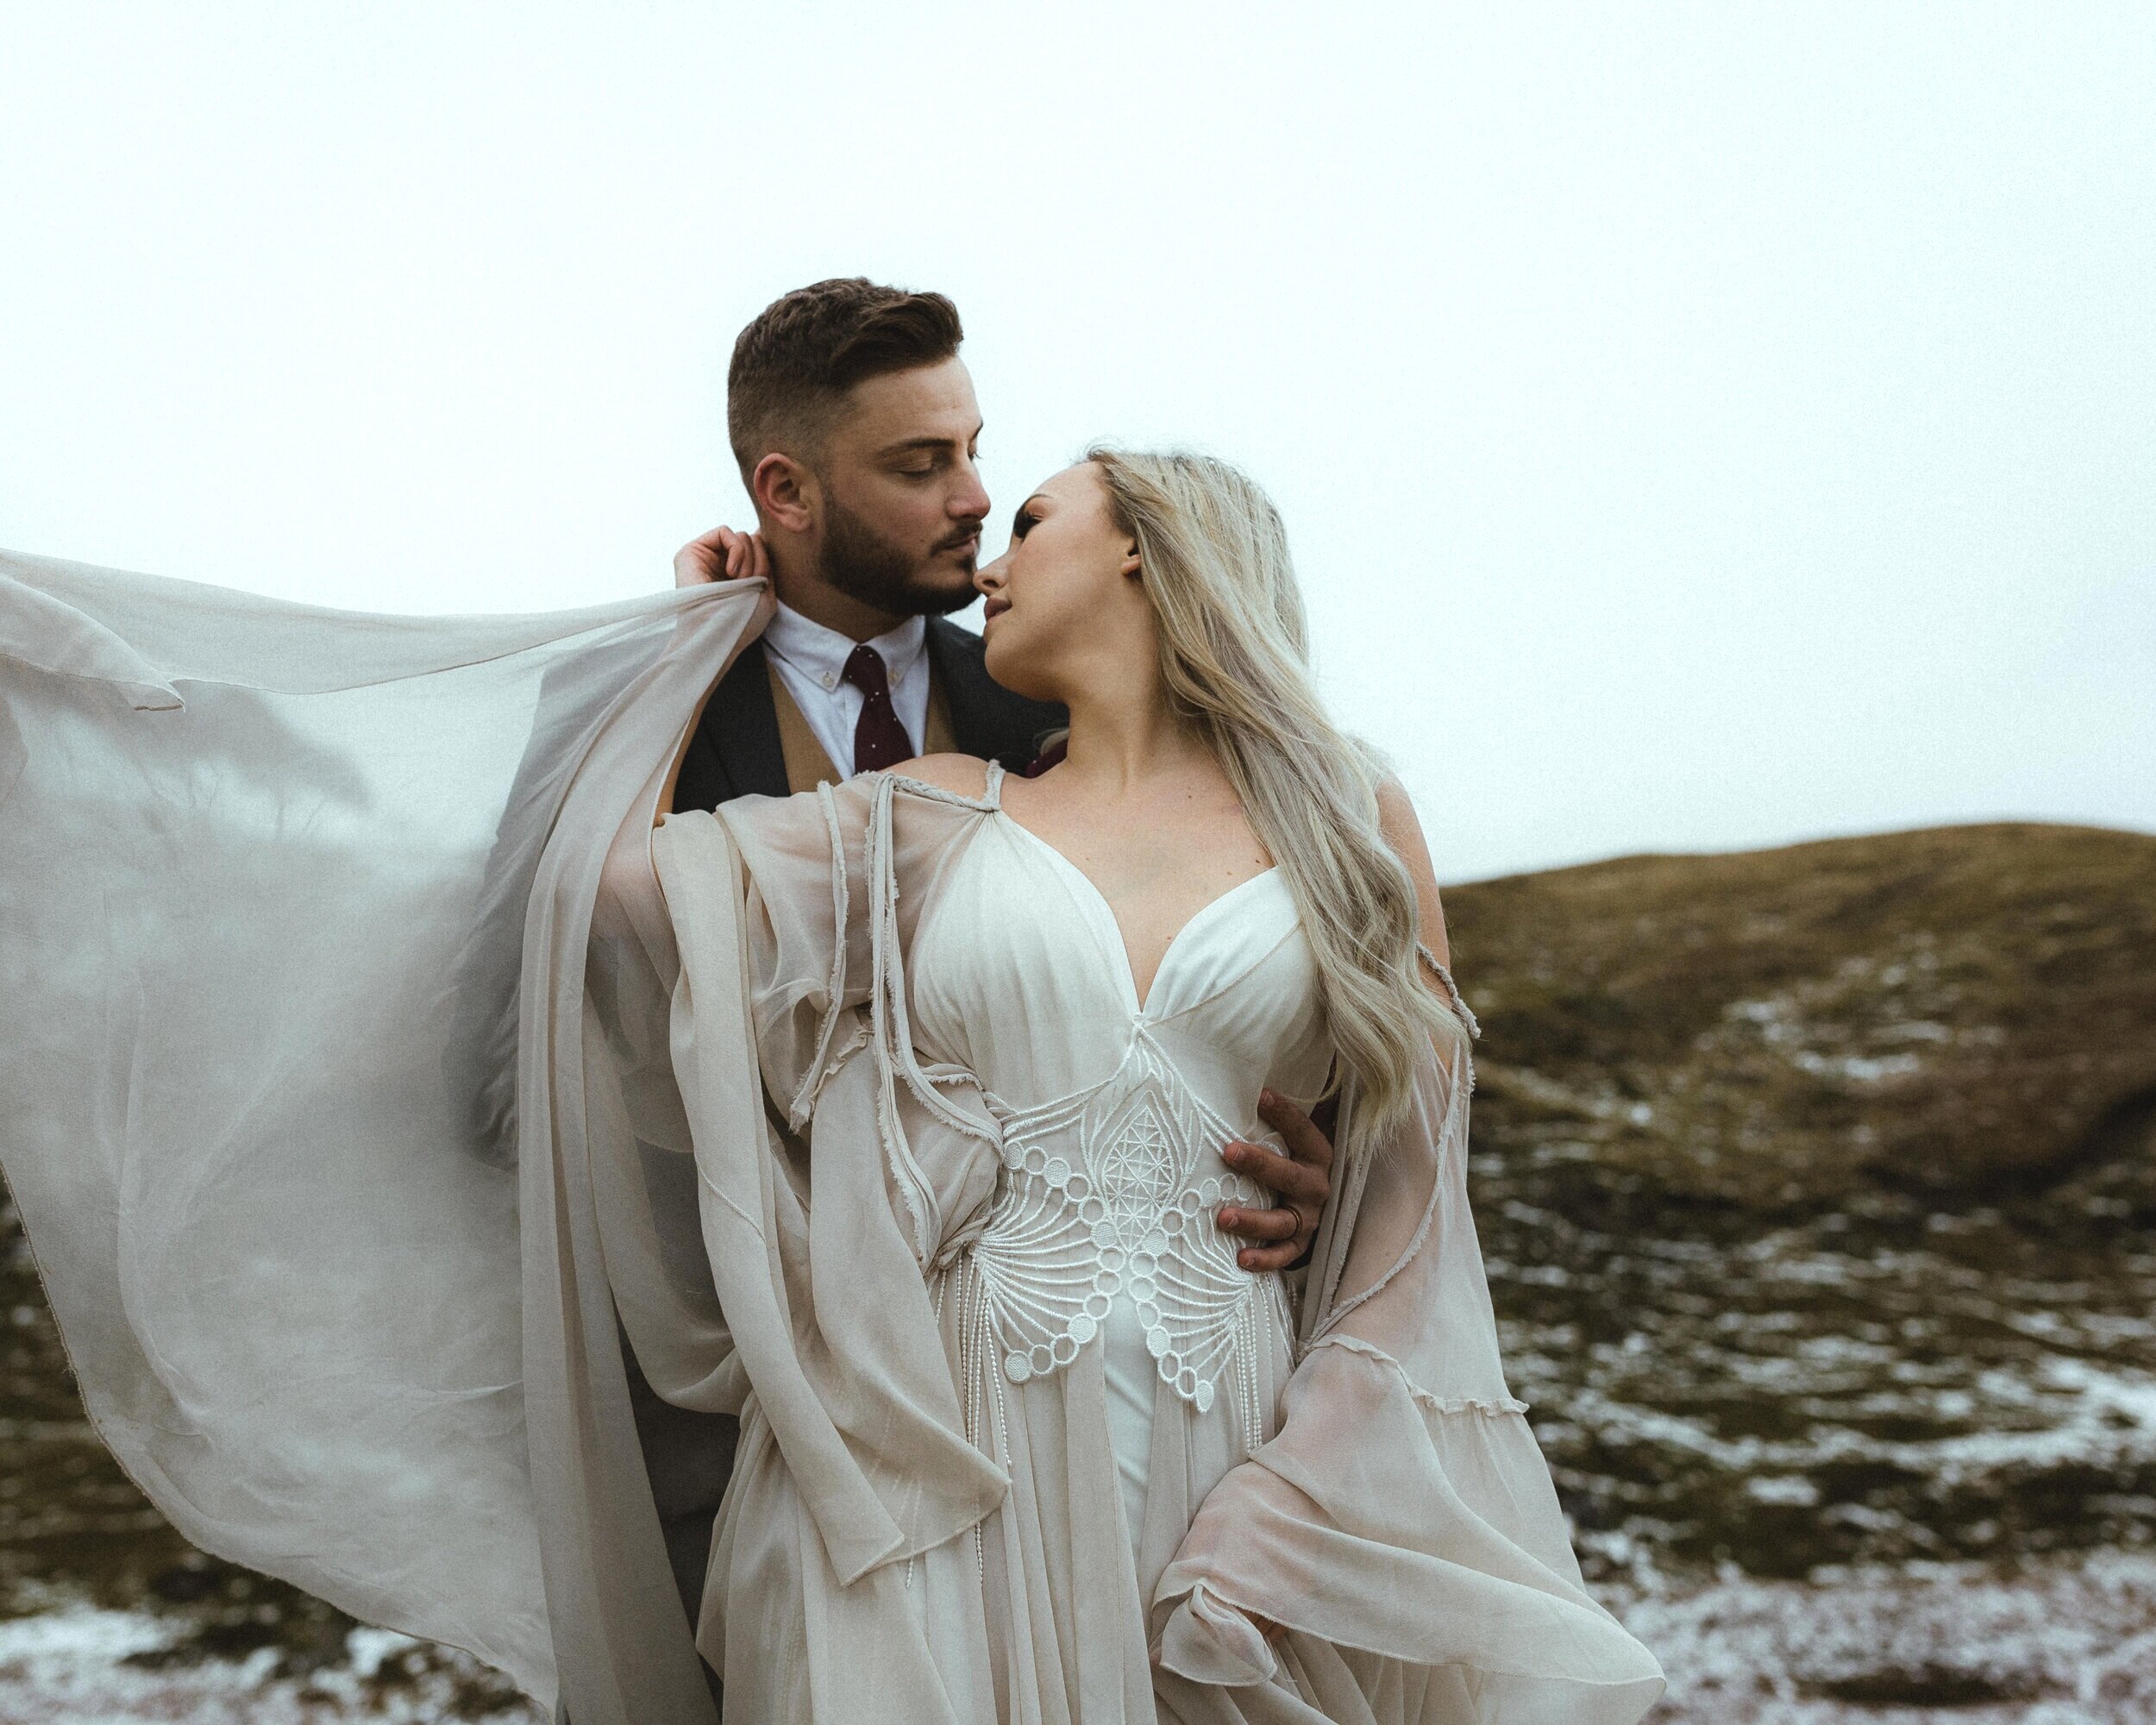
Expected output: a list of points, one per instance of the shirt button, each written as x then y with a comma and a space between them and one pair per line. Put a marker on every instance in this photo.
828, 680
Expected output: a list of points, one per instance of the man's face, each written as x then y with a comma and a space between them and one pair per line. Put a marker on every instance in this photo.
903, 502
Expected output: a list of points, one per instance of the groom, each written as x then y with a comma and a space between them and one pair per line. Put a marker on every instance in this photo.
854, 422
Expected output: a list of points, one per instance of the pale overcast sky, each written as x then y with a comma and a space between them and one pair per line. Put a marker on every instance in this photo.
1701, 427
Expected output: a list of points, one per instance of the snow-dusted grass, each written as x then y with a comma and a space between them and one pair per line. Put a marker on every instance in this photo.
2073, 1644
78, 1664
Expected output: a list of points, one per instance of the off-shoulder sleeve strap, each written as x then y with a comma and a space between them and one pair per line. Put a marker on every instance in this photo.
1461, 1011
1451, 987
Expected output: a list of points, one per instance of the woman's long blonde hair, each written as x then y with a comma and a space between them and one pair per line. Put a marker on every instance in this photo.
1234, 656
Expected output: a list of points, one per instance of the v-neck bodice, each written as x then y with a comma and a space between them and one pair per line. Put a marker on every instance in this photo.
1091, 896
1019, 973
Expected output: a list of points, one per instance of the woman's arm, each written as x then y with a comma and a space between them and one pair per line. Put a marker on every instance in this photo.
1403, 832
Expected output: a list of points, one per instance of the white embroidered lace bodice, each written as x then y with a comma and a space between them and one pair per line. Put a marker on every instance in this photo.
1103, 1230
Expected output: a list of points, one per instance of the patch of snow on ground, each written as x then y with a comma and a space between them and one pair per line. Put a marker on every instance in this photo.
2074, 1645
70, 1666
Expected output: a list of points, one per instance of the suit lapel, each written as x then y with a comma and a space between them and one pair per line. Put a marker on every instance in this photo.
737, 751
965, 686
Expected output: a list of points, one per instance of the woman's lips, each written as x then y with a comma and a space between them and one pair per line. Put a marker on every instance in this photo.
994, 607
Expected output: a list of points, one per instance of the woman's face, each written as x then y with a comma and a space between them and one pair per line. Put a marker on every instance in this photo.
1064, 599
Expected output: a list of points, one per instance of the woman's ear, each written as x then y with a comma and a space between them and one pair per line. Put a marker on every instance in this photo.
784, 491
1133, 565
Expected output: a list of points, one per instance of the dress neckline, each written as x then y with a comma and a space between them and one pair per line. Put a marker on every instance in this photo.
1139, 1006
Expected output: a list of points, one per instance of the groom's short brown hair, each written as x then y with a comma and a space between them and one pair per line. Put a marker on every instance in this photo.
793, 365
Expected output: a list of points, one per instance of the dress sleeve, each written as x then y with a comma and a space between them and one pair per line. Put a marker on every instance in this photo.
821, 1211
1402, 1524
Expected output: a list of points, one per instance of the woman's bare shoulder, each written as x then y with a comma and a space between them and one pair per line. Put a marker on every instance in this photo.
966, 774
1397, 819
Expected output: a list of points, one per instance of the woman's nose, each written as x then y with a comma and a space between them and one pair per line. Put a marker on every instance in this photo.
989, 576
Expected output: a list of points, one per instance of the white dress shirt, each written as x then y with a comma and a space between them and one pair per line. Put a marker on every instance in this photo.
812, 662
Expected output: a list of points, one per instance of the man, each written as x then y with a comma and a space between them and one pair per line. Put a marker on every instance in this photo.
854, 422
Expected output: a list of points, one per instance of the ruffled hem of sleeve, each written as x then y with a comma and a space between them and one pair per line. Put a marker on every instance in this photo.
1389, 1527
1208, 1640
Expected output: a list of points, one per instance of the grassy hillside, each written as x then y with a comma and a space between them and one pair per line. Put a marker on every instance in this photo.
1818, 1187
1965, 1014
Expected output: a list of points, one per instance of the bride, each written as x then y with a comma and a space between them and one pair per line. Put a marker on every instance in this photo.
374, 1060
1019, 1440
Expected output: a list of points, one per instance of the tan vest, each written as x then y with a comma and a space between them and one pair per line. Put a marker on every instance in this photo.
806, 764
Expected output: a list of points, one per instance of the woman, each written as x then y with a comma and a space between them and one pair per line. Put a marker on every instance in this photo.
1021, 1442
362, 1094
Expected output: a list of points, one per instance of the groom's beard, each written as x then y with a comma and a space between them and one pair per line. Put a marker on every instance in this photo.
864, 564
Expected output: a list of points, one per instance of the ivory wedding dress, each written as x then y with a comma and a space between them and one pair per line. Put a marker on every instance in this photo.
1157, 1445
360, 1092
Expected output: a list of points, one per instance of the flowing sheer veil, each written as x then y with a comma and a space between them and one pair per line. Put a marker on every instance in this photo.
272, 879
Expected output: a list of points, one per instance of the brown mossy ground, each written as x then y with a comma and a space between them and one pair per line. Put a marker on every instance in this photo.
1818, 1188
1964, 1014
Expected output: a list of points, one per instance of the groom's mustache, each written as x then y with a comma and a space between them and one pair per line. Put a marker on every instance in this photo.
965, 538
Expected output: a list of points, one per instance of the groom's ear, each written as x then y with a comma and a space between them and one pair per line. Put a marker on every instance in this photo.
786, 493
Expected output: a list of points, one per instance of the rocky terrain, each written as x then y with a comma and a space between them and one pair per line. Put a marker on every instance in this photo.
1818, 1187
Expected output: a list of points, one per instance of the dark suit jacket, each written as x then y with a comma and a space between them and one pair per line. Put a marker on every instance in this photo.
736, 753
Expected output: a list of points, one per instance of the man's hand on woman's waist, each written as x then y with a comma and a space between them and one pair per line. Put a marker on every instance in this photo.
1301, 1180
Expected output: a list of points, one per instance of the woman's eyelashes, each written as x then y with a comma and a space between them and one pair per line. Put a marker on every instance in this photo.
1023, 522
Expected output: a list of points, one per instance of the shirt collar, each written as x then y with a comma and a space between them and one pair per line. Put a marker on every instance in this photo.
821, 653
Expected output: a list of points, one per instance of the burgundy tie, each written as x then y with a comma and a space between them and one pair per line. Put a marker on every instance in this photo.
880, 740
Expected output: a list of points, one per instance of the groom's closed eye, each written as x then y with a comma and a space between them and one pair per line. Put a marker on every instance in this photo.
923, 461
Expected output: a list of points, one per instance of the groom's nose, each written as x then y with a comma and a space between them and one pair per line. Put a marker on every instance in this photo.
969, 498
